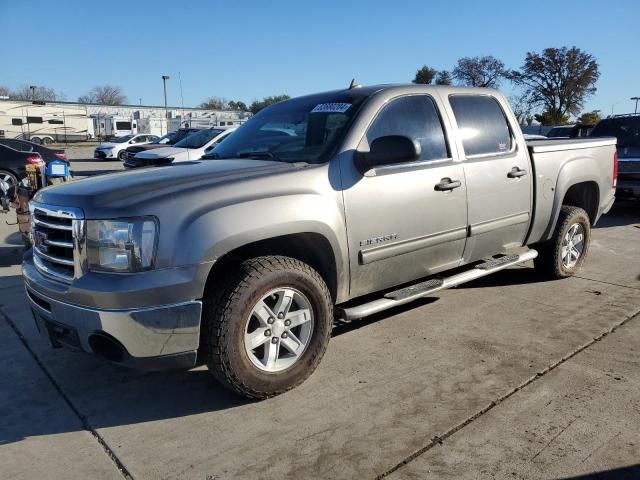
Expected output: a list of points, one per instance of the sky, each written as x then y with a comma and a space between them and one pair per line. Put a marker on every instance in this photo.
246, 50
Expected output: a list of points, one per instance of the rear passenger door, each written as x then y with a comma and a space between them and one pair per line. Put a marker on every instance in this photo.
498, 176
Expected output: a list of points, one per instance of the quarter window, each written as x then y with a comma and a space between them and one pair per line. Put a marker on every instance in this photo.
415, 117
482, 125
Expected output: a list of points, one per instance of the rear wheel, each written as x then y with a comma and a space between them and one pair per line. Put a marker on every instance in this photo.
9, 178
37, 140
47, 141
563, 255
266, 328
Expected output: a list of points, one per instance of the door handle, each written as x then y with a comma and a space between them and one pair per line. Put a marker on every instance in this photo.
446, 184
517, 172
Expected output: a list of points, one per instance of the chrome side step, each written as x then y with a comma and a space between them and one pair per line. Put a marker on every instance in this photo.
422, 289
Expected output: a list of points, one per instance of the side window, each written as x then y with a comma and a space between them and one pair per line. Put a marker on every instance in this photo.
482, 124
416, 117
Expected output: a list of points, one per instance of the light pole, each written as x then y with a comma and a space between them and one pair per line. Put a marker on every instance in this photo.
166, 112
33, 92
636, 99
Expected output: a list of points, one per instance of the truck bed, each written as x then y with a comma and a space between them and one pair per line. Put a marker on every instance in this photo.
563, 162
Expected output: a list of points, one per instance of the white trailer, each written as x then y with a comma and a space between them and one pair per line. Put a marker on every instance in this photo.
43, 123
108, 126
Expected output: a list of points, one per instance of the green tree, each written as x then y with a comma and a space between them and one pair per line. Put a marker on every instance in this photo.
551, 118
485, 71
237, 106
258, 105
589, 118
558, 80
424, 75
443, 77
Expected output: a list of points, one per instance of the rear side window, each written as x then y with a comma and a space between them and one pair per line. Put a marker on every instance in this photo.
482, 125
415, 117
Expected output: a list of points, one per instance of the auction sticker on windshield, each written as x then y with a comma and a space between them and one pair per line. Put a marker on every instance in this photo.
331, 108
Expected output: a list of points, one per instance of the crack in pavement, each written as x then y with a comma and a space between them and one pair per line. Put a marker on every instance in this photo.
607, 283
439, 439
83, 419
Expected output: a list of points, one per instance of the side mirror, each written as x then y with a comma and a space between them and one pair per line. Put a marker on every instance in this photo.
388, 150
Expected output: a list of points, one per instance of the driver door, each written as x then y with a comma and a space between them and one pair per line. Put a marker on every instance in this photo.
401, 227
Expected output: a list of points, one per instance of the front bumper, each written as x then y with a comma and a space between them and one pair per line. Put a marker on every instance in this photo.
156, 338
103, 154
142, 323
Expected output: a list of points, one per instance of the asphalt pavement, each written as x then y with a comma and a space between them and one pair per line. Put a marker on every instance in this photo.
511, 376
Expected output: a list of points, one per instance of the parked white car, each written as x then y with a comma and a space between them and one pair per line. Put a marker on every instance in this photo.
117, 147
192, 147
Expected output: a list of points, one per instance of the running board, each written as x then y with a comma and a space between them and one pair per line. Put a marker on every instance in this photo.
422, 289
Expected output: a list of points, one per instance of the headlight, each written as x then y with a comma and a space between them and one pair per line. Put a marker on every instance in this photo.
126, 245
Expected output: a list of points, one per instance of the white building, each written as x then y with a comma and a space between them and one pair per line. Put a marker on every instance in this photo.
48, 122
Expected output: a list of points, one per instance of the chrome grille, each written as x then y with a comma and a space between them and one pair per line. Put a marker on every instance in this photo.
58, 236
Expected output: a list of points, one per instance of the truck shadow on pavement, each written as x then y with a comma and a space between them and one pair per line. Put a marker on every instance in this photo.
623, 473
108, 395
10, 256
624, 212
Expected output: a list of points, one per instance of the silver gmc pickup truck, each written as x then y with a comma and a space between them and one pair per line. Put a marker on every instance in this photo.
335, 205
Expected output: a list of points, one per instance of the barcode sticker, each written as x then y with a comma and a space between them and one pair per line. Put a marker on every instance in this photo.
331, 108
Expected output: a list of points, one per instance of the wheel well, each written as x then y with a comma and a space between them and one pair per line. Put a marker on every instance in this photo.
585, 195
310, 248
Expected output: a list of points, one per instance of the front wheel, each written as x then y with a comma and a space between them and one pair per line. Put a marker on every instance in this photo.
563, 254
122, 155
266, 328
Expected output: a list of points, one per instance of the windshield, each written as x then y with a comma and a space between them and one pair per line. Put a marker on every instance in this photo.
306, 129
166, 139
199, 139
123, 139
626, 130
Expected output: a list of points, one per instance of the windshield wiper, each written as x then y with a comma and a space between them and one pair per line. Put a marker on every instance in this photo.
258, 155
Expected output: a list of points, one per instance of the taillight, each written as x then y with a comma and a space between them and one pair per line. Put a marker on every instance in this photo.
61, 156
615, 170
34, 159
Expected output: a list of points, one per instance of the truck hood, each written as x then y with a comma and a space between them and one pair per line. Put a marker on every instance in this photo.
107, 145
147, 190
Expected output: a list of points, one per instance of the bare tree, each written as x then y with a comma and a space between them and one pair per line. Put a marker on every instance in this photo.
479, 71
104, 95
4, 91
522, 107
214, 103
559, 80
25, 92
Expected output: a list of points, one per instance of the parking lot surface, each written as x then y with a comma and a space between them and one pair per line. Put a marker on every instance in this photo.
511, 376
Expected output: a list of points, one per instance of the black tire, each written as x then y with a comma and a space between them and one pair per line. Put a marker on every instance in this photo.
549, 261
122, 155
227, 307
10, 177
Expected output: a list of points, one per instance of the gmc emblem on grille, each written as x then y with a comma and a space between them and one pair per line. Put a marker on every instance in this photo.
39, 239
